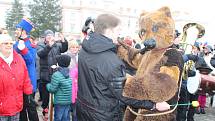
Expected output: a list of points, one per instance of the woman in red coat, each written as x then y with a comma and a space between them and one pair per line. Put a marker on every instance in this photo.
14, 80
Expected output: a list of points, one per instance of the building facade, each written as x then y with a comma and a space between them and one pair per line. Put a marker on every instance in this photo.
75, 13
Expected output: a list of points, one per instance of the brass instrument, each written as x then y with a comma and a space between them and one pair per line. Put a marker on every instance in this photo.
189, 65
201, 33
194, 82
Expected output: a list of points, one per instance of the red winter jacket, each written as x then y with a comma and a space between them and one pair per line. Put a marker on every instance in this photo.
14, 81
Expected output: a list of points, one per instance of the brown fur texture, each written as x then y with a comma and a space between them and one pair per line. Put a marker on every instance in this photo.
159, 70
130, 55
159, 87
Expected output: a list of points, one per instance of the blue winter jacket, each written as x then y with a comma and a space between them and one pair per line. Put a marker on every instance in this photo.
29, 55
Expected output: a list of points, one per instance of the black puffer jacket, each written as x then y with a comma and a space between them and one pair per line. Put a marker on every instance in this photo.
47, 56
100, 80
212, 61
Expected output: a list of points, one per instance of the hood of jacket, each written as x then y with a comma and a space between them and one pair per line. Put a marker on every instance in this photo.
97, 43
64, 71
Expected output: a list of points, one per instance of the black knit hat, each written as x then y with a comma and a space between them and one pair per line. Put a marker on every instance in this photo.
48, 32
63, 60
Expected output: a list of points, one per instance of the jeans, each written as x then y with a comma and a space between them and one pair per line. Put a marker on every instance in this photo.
61, 112
10, 118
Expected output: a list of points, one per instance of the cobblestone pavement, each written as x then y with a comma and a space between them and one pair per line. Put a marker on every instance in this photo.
210, 113
209, 116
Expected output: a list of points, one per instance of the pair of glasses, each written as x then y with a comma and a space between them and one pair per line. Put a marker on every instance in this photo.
7, 43
75, 47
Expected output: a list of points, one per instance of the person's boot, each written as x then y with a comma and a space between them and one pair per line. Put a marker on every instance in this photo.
45, 114
190, 114
190, 119
197, 110
203, 111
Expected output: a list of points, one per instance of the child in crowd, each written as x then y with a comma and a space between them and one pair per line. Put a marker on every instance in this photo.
61, 87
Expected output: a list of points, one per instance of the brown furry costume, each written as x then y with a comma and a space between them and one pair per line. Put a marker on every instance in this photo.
159, 70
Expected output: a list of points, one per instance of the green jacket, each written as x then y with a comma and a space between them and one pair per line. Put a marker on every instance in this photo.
61, 87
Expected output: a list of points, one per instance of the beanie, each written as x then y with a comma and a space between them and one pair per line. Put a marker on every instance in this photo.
5, 38
210, 48
197, 45
63, 60
47, 32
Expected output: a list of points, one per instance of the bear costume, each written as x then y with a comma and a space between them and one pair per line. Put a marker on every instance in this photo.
158, 75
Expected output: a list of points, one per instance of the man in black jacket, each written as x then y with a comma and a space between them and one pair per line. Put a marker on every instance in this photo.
47, 51
102, 74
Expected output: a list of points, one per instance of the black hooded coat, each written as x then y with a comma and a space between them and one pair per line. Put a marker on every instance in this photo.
100, 82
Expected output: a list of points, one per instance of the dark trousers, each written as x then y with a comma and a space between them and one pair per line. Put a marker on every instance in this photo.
192, 110
74, 115
186, 112
45, 95
30, 108
61, 112
40, 88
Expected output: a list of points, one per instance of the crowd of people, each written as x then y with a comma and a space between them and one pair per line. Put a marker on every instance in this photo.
29, 65
85, 78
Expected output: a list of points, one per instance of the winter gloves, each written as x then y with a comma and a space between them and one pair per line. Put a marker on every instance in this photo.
21, 45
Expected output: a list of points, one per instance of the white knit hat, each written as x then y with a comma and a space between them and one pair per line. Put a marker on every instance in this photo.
5, 38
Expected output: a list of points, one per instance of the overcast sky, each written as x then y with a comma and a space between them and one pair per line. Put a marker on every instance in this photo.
201, 11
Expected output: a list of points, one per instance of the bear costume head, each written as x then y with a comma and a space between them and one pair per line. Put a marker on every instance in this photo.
157, 25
